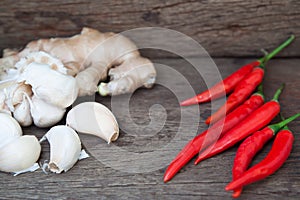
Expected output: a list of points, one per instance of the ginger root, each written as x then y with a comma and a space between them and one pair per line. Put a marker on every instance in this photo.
91, 56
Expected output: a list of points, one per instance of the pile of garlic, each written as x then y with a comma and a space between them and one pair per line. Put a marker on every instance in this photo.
39, 91
18, 153
65, 146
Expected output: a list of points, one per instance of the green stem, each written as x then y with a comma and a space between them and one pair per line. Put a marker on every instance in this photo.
286, 126
278, 92
262, 66
260, 90
280, 125
267, 57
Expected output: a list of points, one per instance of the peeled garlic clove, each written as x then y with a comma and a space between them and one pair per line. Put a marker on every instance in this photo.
22, 112
9, 129
44, 114
65, 148
95, 119
50, 85
19, 154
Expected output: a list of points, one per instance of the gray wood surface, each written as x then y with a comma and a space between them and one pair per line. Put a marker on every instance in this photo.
224, 27
92, 179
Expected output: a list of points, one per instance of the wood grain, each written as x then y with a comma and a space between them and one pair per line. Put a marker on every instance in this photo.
92, 179
228, 28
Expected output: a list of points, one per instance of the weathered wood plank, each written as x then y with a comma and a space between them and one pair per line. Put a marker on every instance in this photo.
92, 179
224, 28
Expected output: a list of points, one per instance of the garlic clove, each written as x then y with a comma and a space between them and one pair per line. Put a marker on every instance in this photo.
3, 107
95, 119
43, 113
50, 85
19, 154
22, 112
65, 148
17, 95
9, 129
15, 92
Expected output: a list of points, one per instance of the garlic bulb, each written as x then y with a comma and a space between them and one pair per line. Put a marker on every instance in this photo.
95, 119
9, 129
50, 85
44, 114
65, 148
43, 58
19, 154
22, 112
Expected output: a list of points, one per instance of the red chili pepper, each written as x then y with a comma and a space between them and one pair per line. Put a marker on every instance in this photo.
228, 84
211, 135
224, 87
278, 154
244, 88
240, 94
255, 121
249, 148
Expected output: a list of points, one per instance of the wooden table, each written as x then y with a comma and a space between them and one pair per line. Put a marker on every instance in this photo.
91, 179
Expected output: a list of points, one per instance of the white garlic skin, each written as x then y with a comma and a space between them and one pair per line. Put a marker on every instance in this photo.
9, 129
22, 112
65, 148
50, 85
43, 113
19, 154
95, 119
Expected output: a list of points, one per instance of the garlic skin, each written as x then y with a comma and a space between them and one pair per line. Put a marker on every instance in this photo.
95, 119
43, 113
19, 154
22, 112
50, 85
65, 148
9, 129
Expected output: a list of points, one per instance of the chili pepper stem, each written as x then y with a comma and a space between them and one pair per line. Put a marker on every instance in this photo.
267, 57
286, 126
260, 90
280, 125
278, 92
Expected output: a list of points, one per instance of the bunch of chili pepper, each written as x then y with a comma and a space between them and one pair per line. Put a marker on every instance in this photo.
254, 122
239, 85
278, 154
243, 119
209, 136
